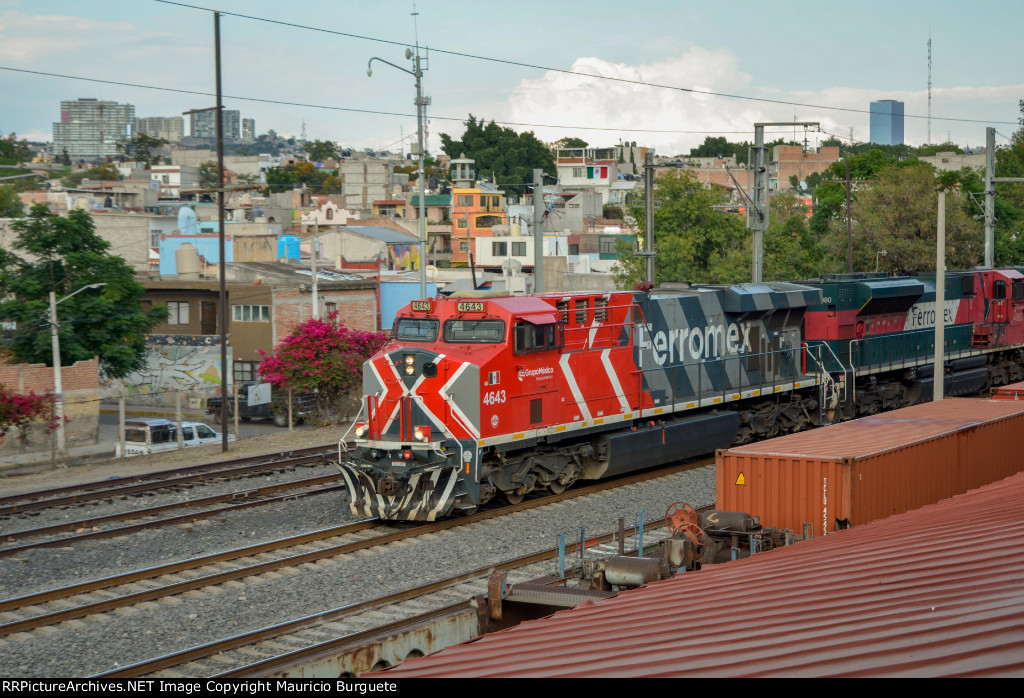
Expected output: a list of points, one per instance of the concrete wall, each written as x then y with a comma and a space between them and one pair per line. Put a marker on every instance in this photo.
129, 234
81, 404
188, 365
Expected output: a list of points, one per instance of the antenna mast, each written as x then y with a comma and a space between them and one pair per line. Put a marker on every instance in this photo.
929, 87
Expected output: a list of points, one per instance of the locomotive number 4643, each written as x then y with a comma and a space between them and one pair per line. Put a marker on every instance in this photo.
494, 397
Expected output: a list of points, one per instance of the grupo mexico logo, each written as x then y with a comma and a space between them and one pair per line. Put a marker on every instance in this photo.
534, 372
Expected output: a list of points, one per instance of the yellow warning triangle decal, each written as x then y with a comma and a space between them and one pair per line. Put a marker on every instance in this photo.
741, 480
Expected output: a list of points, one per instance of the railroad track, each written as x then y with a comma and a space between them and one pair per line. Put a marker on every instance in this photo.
150, 517
175, 478
49, 612
283, 649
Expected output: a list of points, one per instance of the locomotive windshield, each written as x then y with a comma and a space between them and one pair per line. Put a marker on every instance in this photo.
412, 329
474, 331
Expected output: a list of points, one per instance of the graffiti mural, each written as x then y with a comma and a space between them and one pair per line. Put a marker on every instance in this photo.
187, 364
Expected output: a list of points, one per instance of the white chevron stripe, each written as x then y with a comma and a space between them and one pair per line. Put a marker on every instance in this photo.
472, 429
606, 361
571, 380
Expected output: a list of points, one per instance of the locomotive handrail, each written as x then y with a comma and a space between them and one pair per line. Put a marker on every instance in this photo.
344, 439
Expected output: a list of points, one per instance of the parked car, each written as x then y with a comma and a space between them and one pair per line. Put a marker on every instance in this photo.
303, 407
144, 436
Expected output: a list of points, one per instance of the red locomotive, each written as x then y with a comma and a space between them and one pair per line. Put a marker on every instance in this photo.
479, 397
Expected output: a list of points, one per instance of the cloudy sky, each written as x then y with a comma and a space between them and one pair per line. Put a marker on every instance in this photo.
681, 69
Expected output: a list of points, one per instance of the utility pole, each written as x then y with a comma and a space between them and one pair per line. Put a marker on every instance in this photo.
224, 368
649, 217
421, 103
61, 451
757, 215
314, 255
990, 194
849, 232
538, 231
939, 367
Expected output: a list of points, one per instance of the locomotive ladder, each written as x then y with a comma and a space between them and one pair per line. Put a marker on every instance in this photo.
831, 395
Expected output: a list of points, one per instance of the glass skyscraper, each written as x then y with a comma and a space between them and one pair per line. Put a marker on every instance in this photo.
887, 122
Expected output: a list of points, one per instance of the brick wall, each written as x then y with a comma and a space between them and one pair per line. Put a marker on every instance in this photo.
357, 309
81, 403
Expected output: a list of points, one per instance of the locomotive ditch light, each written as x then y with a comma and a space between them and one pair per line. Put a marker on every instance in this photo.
422, 433
361, 428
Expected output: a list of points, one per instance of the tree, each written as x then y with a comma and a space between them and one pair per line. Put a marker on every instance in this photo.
13, 151
104, 172
141, 148
568, 142
692, 238
208, 174
10, 204
898, 213
17, 410
511, 157
319, 151
791, 249
67, 254
324, 357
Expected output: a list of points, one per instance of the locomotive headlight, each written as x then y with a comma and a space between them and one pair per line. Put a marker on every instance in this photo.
409, 360
409, 370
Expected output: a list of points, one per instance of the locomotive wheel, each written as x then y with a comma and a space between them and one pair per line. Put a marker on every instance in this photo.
678, 515
514, 497
565, 482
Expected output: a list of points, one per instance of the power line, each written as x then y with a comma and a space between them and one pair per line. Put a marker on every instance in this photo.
563, 71
351, 109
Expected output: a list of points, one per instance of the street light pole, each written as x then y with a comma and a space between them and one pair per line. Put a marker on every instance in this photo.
58, 384
418, 74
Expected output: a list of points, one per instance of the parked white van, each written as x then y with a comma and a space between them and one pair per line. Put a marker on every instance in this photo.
144, 436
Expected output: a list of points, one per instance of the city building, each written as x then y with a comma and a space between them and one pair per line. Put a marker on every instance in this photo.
596, 170
89, 129
248, 129
203, 124
887, 122
790, 160
170, 128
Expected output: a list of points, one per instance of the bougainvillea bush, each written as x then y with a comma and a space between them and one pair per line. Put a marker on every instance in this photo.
17, 411
324, 357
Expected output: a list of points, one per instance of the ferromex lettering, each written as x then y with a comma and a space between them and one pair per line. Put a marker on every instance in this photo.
695, 343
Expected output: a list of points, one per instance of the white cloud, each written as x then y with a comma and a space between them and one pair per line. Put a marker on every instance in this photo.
576, 102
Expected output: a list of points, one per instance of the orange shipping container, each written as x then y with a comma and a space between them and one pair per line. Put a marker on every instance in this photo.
870, 468
1014, 391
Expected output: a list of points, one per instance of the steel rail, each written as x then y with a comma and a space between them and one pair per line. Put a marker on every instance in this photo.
302, 558
276, 663
183, 518
112, 487
182, 565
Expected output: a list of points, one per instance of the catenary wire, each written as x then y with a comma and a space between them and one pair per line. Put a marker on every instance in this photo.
564, 71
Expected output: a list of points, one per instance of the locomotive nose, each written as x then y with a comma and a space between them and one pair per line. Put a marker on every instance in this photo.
413, 363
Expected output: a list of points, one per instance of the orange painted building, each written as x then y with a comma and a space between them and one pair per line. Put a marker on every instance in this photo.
475, 212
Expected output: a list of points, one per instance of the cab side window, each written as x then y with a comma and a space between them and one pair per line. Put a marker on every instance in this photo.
530, 338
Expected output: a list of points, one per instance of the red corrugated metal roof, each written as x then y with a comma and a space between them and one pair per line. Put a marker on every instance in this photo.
938, 591
883, 432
